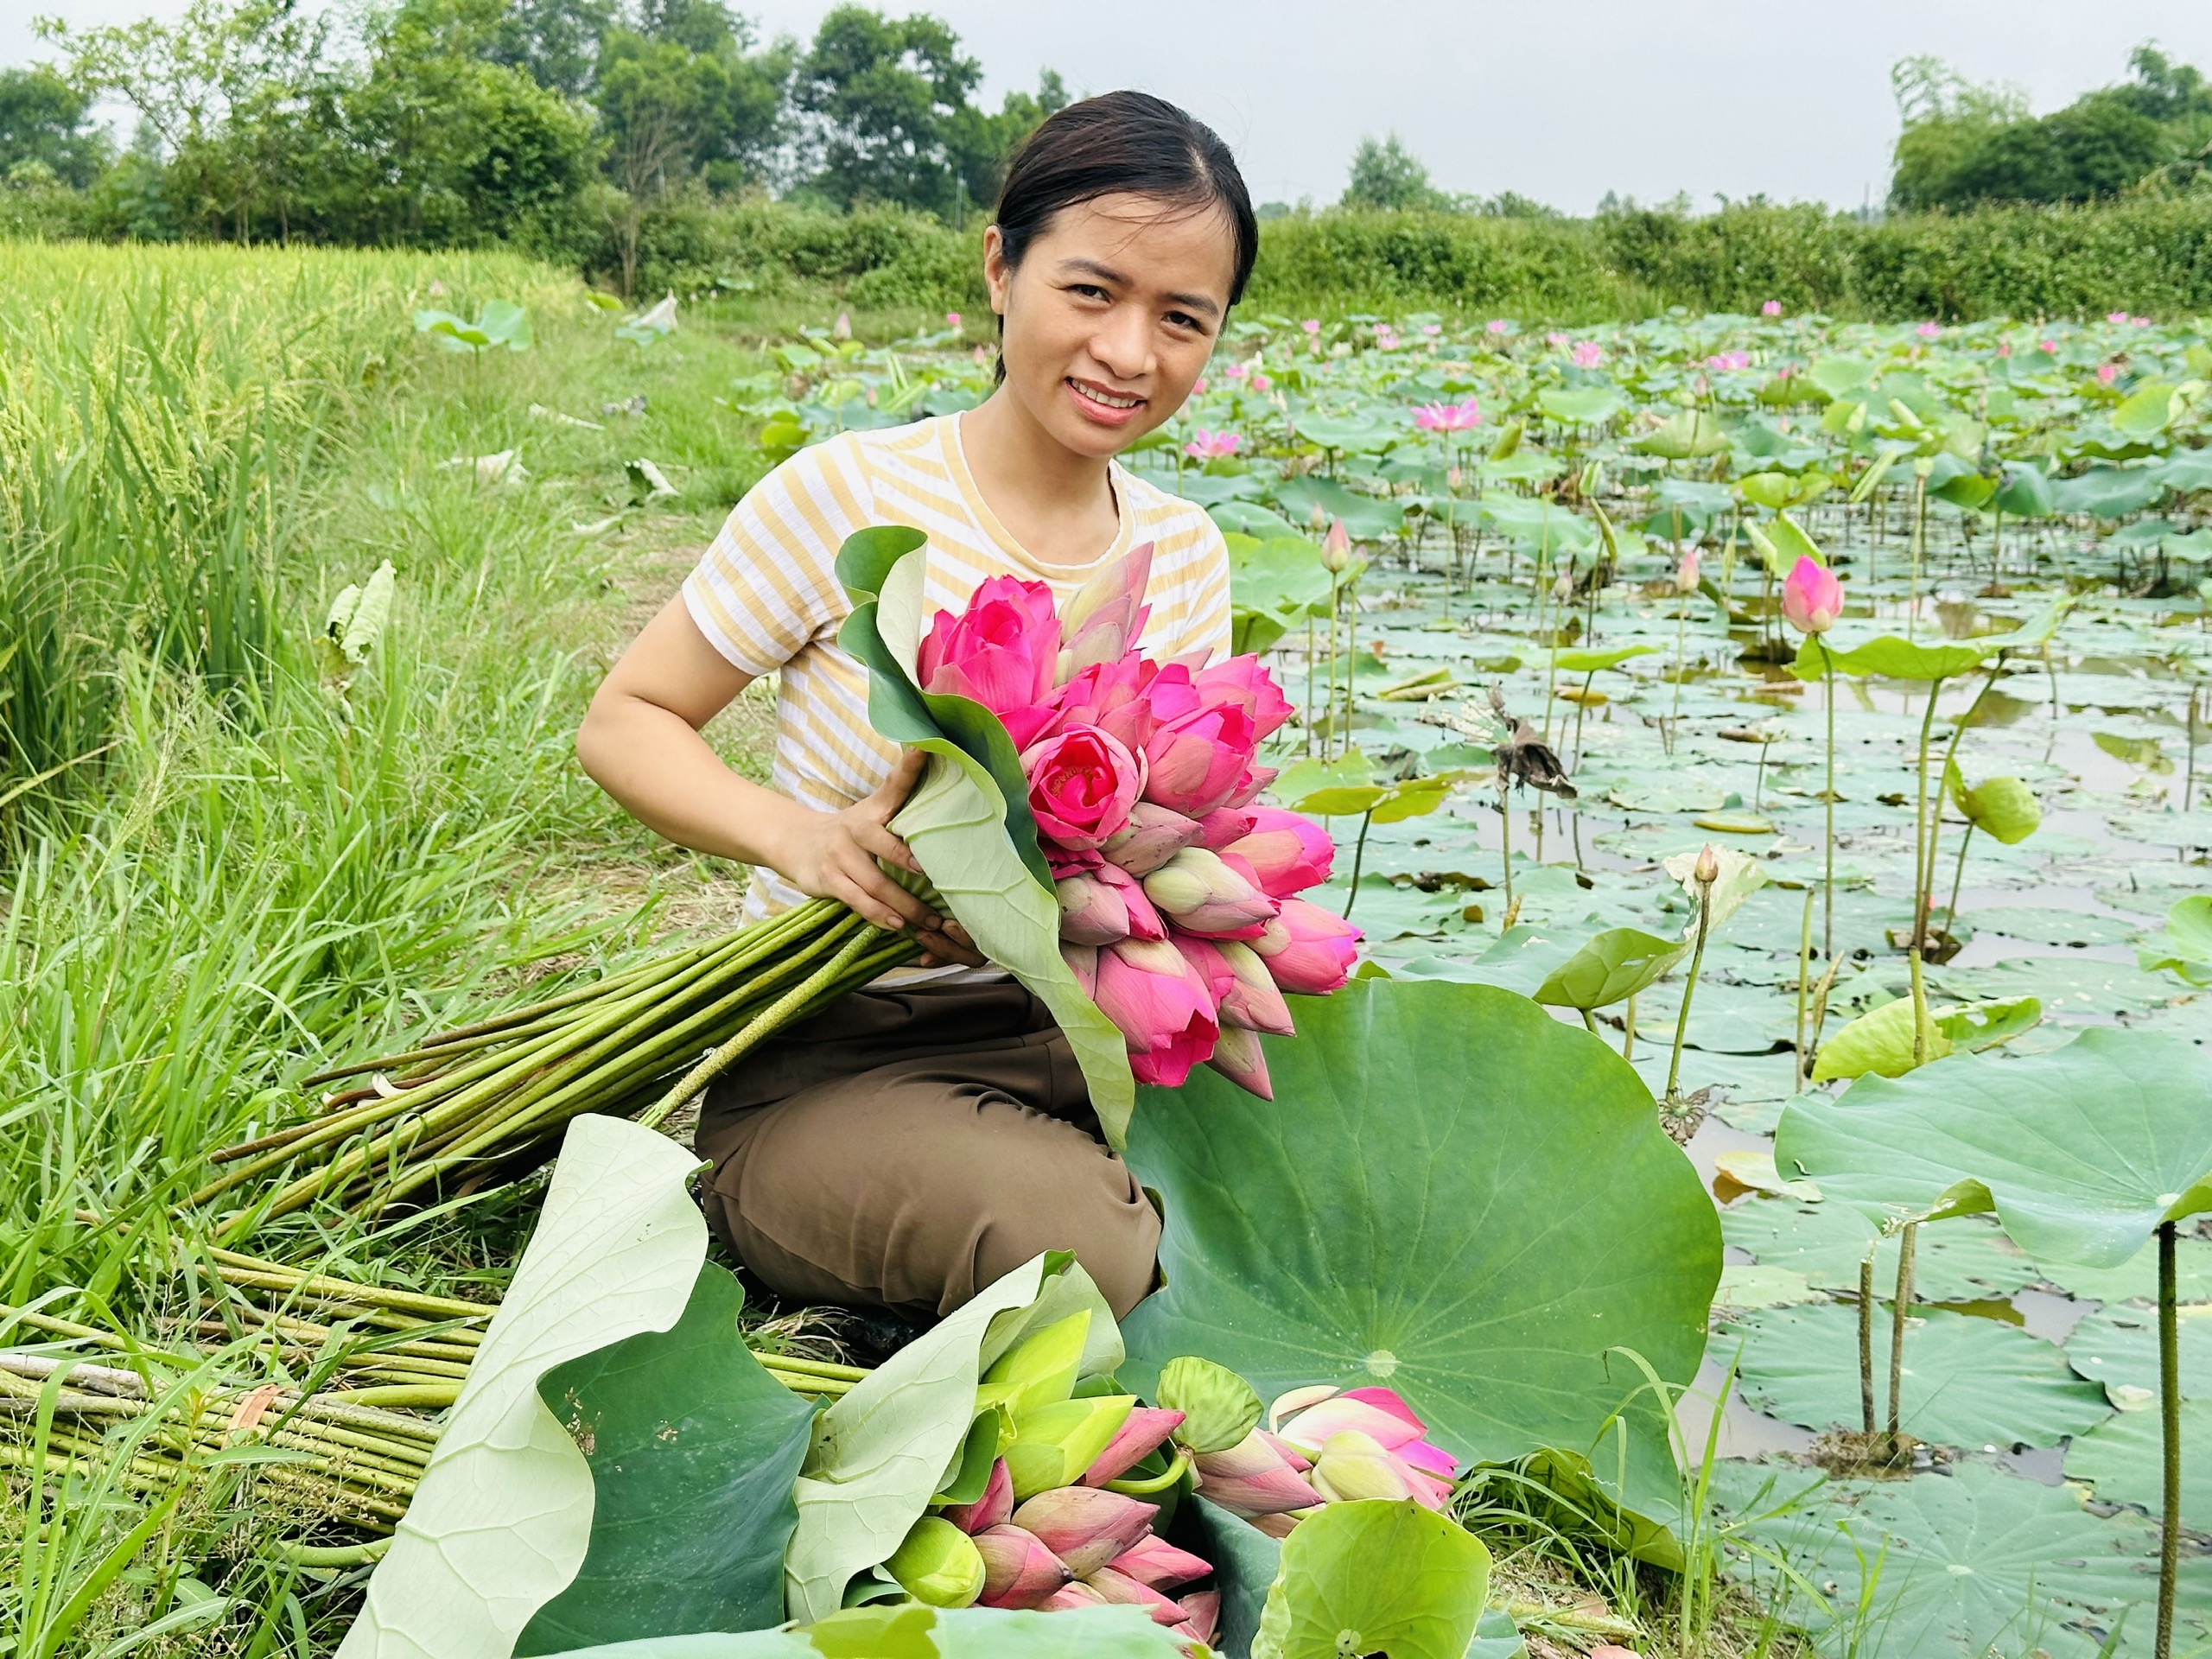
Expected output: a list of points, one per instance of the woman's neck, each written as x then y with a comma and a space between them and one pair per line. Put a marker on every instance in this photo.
1058, 504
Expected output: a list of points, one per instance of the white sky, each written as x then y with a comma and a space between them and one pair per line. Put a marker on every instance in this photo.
1557, 101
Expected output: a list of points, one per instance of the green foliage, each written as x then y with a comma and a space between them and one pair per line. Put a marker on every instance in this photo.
1375, 1576
1390, 176
46, 123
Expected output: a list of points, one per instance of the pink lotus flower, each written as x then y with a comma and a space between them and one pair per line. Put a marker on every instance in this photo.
1000, 652
2140, 322
1498, 325
1197, 761
2048, 348
1308, 951
1242, 681
1252, 1478
1017, 1570
1449, 417
1555, 340
1144, 921
1312, 325
1114, 696
1160, 1006
1209, 445
1237, 1056
1202, 1612
1812, 598
1090, 911
1261, 382
1686, 573
1353, 1466
1156, 834
1201, 893
1253, 1001
2115, 317
1432, 329
1587, 354
1107, 614
1771, 308
1152, 1559
1288, 850
2106, 374
1381, 1416
1143, 1432
952, 319
1081, 783
1237, 371
1928, 330
990, 1510
1116, 1588
1082, 963
2004, 348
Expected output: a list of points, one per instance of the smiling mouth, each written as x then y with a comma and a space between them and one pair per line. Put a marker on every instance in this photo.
1103, 399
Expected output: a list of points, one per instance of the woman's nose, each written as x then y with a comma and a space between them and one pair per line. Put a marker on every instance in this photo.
1123, 343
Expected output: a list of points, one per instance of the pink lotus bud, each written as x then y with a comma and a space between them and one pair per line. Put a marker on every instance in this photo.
1153, 836
1153, 1560
1105, 618
1686, 573
1287, 850
1195, 761
1085, 1525
1309, 950
1128, 696
1143, 1432
1812, 598
1082, 783
1207, 963
1707, 870
1144, 920
1237, 1056
1117, 1587
1242, 681
1771, 308
1091, 912
1224, 825
1017, 1570
1202, 894
1336, 546
1281, 1524
1160, 1006
1069, 1597
1251, 1478
1000, 652
1255, 779
1310, 1429
1201, 1615
1254, 1001
1082, 963
990, 1510
1289, 1453
1353, 1467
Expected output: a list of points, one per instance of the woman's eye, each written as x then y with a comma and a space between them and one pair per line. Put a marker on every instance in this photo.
1184, 320
1090, 291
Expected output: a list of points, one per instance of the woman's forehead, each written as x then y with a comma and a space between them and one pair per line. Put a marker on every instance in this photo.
1147, 240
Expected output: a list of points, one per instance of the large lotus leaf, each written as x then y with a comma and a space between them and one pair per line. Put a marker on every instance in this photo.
1591, 661
1837, 375
1366, 517
1433, 1200
2108, 492
693, 1448
967, 821
2147, 410
1354, 437
2187, 472
1581, 405
883, 1450
2081, 1152
2137, 1279
1955, 1565
1885, 1042
2026, 493
2185, 948
2118, 1346
1682, 436
1965, 1260
1284, 576
1375, 1577
914, 1631
501, 1520
2123, 1458
1613, 966
1888, 658
1968, 1380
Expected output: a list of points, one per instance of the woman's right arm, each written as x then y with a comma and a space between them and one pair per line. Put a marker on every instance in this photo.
641, 742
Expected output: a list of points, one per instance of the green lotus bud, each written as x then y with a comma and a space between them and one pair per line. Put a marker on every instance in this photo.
1040, 1368
1218, 1407
938, 1563
1055, 1444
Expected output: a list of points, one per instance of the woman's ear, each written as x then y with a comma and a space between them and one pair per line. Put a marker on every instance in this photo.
998, 275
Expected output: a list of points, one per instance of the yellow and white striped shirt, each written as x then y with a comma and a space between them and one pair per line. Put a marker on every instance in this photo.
766, 593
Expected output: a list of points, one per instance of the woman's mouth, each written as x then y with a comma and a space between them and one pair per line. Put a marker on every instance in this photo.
1102, 403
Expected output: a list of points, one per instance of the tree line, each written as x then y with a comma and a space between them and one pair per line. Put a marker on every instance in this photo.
545, 123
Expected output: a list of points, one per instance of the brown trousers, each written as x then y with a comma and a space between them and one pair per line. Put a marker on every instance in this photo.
905, 1149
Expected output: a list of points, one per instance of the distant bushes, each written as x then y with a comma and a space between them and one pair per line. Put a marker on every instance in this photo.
2147, 255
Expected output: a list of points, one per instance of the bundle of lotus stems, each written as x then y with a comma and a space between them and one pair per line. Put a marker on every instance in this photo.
476, 1105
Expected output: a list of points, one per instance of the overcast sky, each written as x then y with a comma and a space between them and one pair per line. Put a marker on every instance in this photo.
1559, 101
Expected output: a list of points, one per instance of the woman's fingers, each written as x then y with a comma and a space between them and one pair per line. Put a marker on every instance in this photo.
879, 843
887, 904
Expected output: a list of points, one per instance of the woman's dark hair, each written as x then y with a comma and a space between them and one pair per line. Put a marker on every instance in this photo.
1123, 144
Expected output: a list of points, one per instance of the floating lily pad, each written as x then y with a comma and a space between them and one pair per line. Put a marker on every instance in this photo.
2137, 1279
1968, 1380
2118, 1346
2123, 1460
2052, 926
1967, 1260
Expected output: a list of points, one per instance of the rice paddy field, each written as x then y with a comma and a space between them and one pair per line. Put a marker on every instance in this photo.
267, 811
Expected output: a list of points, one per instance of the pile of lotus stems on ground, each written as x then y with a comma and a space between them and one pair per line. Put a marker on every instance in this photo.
364, 1444
465, 1106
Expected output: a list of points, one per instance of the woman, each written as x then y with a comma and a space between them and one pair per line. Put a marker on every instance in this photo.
909, 1146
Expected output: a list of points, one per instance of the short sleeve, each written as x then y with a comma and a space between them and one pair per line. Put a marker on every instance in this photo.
1209, 627
767, 587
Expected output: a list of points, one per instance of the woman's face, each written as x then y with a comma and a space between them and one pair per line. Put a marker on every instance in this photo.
1111, 315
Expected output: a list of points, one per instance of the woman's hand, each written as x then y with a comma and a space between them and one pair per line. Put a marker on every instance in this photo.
834, 855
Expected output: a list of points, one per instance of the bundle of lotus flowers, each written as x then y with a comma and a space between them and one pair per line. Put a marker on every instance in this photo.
1326, 1446
472, 1105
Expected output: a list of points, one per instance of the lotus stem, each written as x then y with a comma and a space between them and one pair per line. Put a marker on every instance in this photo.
1359, 853
1804, 986
2170, 1440
1827, 880
1958, 876
1919, 1012
1690, 986
1920, 902
1898, 1313
1505, 836
1866, 1341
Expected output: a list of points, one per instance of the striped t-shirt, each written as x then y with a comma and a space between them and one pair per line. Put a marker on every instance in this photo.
766, 593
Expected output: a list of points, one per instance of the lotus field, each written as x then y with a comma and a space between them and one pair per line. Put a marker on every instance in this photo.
1745, 1199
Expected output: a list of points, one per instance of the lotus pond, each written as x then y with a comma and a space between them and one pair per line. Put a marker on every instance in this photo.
1703, 955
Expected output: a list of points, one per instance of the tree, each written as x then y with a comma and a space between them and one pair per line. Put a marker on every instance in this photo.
1388, 176
554, 42
45, 122
889, 117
